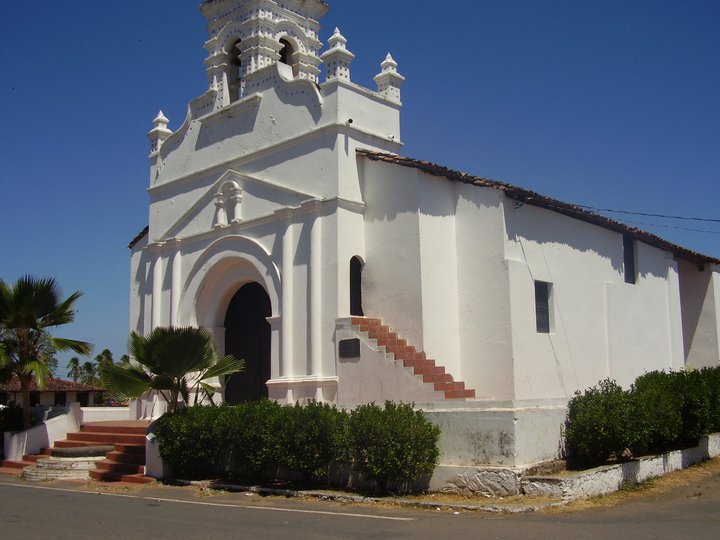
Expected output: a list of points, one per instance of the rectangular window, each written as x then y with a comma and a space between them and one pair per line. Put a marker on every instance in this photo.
542, 306
629, 260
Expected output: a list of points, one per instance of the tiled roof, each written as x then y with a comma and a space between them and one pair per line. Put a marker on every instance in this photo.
526, 196
51, 385
138, 237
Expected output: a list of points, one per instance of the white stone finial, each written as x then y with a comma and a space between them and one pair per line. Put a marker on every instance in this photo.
158, 133
161, 119
337, 40
389, 64
389, 80
337, 58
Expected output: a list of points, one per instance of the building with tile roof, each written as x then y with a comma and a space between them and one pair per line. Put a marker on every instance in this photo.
56, 392
283, 219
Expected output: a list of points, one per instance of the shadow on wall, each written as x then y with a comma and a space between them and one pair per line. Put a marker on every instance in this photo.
228, 123
543, 227
395, 189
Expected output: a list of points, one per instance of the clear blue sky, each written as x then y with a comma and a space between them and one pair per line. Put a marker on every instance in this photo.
608, 103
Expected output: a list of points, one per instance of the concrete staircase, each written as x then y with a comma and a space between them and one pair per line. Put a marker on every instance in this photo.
125, 463
424, 367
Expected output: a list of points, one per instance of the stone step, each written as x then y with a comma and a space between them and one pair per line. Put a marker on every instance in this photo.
73, 444
389, 342
437, 378
136, 428
68, 464
129, 438
130, 448
125, 457
82, 451
429, 370
445, 386
10, 464
124, 468
459, 394
35, 474
33, 458
107, 476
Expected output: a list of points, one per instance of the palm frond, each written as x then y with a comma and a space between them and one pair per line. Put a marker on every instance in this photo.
130, 381
209, 390
64, 344
40, 370
225, 366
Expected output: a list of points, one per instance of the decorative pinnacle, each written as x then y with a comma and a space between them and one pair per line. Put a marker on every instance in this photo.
158, 133
337, 40
160, 120
389, 64
389, 80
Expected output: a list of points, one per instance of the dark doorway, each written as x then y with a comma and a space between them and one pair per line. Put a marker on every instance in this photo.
247, 336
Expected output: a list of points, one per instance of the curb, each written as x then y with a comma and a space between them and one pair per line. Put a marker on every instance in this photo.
350, 498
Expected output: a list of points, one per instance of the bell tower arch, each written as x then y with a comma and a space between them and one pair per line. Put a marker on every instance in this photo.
249, 35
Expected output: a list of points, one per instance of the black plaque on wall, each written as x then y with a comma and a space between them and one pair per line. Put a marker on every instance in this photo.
349, 348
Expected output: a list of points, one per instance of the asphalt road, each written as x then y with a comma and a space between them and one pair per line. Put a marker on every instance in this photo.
64, 510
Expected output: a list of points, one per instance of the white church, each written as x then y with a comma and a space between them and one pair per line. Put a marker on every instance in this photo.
283, 219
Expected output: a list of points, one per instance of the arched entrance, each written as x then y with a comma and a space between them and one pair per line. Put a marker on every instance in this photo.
247, 336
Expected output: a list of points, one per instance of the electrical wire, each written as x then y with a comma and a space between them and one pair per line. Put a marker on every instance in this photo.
664, 216
645, 224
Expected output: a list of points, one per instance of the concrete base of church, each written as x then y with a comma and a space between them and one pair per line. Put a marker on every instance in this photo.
498, 433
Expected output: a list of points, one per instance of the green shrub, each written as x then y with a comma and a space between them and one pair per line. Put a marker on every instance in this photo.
253, 435
395, 445
311, 437
193, 443
657, 399
598, 424
712, 377
696, 405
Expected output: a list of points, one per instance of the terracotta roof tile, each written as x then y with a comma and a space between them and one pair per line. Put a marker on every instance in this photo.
525, 196
52, 385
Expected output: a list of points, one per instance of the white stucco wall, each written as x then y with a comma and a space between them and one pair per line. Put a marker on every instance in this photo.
435, 271
483, 293
602, 327
392, 287
699, 318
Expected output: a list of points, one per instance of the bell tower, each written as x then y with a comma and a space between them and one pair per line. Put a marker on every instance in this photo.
248, 35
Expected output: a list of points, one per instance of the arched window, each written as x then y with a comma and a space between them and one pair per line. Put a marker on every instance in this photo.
286, 52
356, 267
287, 55
235, 72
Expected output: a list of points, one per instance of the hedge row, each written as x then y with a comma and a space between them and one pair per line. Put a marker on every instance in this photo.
661, 411
393, 444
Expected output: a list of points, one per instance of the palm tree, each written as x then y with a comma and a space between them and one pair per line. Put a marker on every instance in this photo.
89, 373
169, 360
28, 308
105, 357
74, 369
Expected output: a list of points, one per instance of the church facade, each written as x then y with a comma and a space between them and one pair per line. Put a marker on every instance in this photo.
283, 220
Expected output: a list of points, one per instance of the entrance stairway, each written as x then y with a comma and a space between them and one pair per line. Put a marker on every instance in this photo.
422, 366
126, 463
